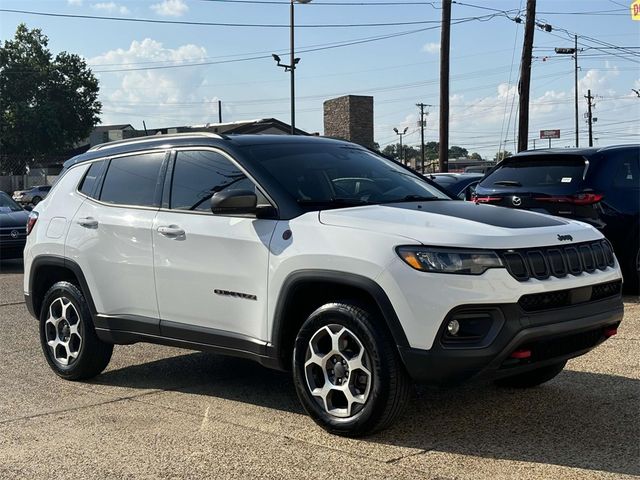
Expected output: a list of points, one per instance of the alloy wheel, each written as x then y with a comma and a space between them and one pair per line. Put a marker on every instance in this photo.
338, 371
63, 331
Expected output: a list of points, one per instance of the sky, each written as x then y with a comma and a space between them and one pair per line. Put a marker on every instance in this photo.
174, 74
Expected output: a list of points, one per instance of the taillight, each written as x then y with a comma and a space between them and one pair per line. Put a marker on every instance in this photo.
31, 222
578, 199
478, 199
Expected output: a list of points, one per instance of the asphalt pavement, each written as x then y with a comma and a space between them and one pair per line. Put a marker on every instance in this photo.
160, 412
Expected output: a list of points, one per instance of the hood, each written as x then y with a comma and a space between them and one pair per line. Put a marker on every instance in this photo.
462, 224
14, 219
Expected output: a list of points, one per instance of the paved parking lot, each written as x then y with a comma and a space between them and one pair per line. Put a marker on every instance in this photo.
160, 412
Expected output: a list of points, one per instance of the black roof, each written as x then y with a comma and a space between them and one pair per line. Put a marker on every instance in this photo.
585, 152
164, 142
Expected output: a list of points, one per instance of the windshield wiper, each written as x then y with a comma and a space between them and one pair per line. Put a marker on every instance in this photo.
508, 183
414, 198
333, 202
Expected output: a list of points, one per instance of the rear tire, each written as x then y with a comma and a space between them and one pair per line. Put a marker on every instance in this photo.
68, 337
533, 378
345, 358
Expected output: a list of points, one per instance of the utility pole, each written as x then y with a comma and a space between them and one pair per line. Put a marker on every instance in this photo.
589, 116
423, 124
575, 86
219, 111
525, 76
445, 46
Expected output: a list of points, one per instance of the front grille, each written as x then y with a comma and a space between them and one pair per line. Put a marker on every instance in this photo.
563, 298
558, 261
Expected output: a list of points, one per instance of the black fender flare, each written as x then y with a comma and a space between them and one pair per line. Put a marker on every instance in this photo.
341, 278
61, 262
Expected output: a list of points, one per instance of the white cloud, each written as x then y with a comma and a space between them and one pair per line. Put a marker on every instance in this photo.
431, 47
75, 3
170, 8
111, 7
162, 97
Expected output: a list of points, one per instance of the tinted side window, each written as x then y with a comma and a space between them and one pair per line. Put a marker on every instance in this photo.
88, 184
197, 175
133, 180
626, 171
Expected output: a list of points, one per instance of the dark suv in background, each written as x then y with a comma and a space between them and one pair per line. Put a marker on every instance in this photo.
600, 186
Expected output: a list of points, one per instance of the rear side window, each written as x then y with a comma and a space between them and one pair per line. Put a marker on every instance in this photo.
91, 178
538, 172
133, 180
197, 175
627, 171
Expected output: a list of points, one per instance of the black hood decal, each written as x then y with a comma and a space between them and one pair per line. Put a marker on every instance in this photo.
488, 214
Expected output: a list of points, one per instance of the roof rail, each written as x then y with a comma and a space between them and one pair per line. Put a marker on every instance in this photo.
152, 138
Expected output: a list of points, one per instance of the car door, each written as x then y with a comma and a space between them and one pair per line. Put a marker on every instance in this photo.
210, 270
110, 237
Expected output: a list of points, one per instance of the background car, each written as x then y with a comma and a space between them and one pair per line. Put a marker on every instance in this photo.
460, 185
483, 169
32, 196
13, 227
600, 186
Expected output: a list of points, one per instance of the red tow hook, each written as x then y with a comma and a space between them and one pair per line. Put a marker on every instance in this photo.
521, 354
610, 332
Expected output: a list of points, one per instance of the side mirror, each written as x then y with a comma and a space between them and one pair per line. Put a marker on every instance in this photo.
234, 202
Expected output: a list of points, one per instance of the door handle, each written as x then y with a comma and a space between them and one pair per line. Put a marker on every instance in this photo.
88, 222
171, 231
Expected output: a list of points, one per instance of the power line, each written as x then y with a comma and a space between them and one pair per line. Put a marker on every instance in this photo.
323, 4
235, 25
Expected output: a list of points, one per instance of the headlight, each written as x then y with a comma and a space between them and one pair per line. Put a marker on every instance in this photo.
449, 260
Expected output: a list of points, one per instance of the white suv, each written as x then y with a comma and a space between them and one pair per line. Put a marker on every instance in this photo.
313, 255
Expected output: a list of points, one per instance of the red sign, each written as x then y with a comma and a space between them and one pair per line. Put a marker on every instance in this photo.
549, 134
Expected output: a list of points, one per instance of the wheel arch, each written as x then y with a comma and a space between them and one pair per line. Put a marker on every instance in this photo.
49, 269
305, 290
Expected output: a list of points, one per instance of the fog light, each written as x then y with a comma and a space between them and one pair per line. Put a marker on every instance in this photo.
453, 327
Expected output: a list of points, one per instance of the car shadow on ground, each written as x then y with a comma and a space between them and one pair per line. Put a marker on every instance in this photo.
14, 265
583, 420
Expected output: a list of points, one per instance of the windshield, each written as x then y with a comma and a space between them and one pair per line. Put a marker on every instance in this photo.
7, 204
320, 175
537, 172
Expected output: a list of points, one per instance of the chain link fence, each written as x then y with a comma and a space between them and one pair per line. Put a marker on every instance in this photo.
20, 172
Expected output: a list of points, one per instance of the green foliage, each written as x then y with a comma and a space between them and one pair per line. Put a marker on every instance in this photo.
47, 103
430, 151
501, 155
475, 156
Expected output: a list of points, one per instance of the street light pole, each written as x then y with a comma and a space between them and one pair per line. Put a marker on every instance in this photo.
401, 134
573, 51
293, 61
293, 73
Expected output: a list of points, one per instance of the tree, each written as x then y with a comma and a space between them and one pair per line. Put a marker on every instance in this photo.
393, 151
458, 152
501, 155
47, 104
475, 156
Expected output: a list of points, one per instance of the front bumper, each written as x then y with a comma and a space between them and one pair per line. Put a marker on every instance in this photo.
552, 336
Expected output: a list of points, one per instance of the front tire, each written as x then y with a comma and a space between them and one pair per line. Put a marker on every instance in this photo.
532, 378
347, 373
67, 335
36, 201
